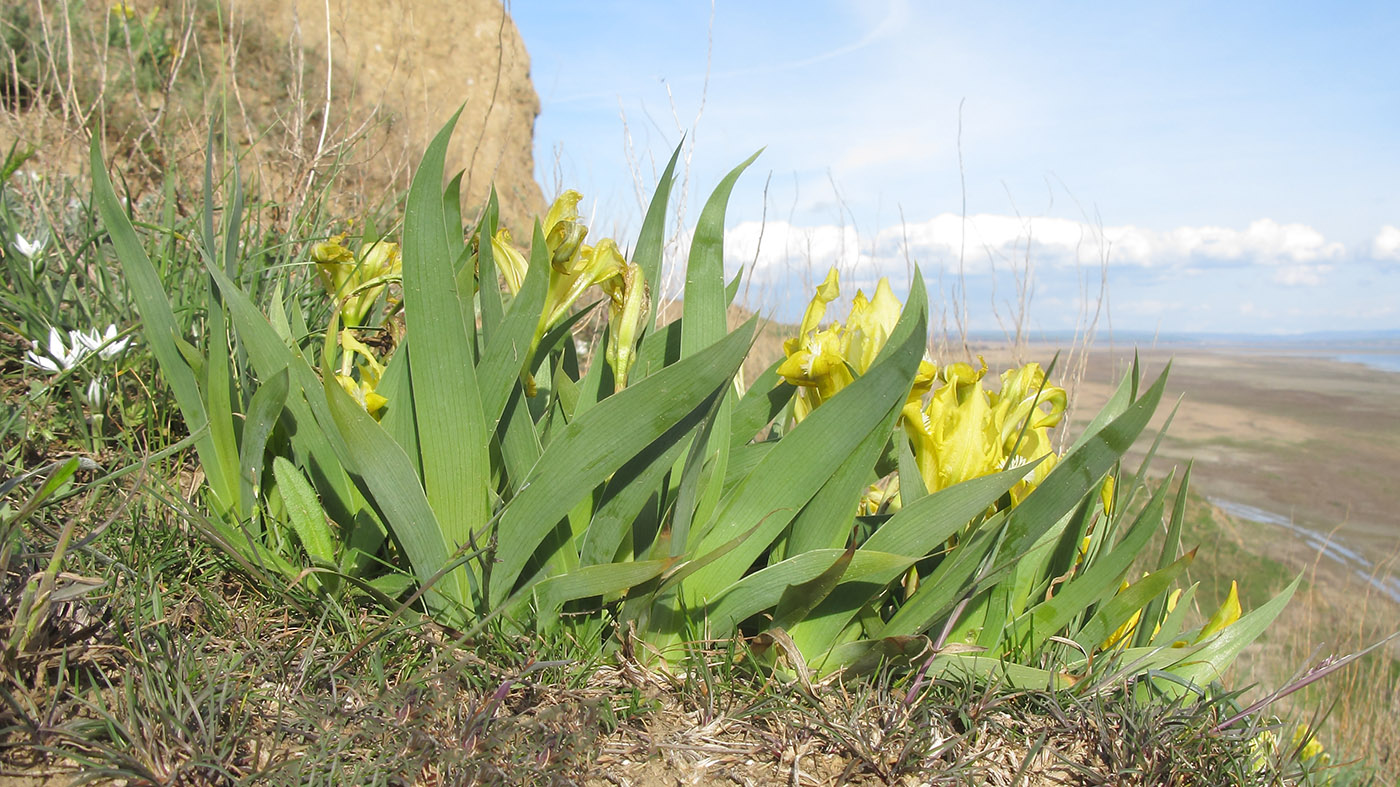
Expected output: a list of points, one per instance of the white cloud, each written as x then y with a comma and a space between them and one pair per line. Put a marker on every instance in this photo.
778, 248
1299, 254
1301, 275
1386, 246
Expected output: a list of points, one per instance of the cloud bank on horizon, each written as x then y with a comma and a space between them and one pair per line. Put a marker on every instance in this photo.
1156, 274
1225, 168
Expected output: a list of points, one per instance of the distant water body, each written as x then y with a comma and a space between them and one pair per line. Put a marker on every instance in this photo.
1360, 566
1384, 361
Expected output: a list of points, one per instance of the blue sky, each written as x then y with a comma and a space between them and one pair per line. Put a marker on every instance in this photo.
1232, 167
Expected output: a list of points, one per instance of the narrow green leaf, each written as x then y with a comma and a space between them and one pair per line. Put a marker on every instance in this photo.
218, 369
1114, 407
218, 388
705, 310
1210, 662
1097, 581
742, 462
263, 411
399, 418
508, 351
1173, 622
1122, 606
1008, 673
1171, 547
592, 447
914, 532
763, 589
827, 521
314, 439
652, 238
452, 213
598, 580
764, 401
687, 491
161, 330
520, 442
628, 491
705, 304
452, 435
1140, 478
492, 312
1078, 474
797, 601
381, 466
911, 481
796, 468
304, 511
659, 348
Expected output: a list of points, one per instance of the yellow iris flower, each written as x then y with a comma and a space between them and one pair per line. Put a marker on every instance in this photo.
356, 281
1228, 613
963, 431
822, 361
574, 267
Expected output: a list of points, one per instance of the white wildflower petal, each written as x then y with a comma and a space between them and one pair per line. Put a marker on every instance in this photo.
114, 349
80, 349
43, 362
27, 247
56, 347
89, 341
96, 392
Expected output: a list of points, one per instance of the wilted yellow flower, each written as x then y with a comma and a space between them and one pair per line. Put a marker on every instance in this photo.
563, 233
356, 283
509, 261
588, 266
574, 267
370, 370
334, 262
629, 298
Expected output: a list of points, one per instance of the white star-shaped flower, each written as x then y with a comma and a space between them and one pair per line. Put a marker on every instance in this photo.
27, 247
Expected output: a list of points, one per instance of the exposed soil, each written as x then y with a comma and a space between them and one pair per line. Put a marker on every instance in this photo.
256, 69
416, 62
1310, 439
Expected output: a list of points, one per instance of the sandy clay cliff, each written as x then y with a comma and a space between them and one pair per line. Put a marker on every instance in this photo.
399, 68
413, 63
